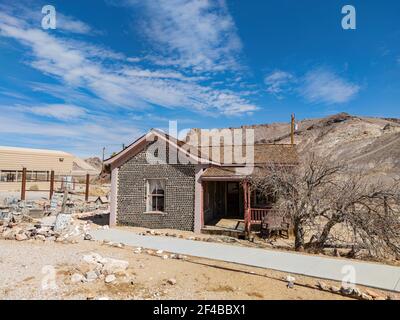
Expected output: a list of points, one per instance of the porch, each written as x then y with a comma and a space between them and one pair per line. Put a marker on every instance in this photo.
230, 207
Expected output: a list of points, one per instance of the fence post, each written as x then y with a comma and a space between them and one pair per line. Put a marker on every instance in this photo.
51, 184
87, 187
23, 185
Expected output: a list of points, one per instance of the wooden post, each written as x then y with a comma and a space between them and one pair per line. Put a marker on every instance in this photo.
292, 124
202, 204
51, 184
249, 208
87, 187
23, 185
246, 206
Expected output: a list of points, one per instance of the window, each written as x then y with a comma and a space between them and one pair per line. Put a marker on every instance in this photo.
8, 176
155, 195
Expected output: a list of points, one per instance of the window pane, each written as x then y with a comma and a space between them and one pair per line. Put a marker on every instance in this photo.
155, 194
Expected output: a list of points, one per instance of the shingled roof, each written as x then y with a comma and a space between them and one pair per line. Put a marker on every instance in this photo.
282, 154
263, 153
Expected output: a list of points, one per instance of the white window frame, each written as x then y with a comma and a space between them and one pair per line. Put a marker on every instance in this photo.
149, 196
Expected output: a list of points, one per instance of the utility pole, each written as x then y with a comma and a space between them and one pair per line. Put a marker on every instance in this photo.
292, 125
102, 160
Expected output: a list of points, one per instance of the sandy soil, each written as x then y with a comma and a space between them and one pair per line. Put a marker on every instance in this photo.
22, 275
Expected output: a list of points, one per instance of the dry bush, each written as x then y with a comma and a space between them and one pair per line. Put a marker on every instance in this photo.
319, 196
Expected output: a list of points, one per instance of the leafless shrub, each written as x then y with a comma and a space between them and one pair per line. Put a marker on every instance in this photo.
320, 195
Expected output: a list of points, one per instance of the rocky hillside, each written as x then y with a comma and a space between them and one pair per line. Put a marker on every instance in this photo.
95, 162
362, 142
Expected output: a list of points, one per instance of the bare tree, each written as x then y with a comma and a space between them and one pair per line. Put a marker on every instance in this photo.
319, 196
299, 191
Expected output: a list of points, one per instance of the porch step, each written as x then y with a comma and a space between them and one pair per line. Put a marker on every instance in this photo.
234, 224
222, 232
226, 227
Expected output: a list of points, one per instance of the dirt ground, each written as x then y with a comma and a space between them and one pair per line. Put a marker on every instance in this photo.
27, 271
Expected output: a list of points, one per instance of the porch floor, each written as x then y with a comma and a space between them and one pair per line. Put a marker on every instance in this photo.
231, 227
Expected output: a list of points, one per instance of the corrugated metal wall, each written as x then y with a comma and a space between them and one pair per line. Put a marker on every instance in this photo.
35, 161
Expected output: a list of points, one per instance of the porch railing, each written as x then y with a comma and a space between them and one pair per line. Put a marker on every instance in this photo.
257, 214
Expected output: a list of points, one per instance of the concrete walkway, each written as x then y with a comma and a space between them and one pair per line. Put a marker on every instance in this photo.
368, 274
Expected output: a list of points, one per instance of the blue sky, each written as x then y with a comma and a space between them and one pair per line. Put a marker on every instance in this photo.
111, 69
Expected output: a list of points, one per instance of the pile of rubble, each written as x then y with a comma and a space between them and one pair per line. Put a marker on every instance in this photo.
28, 231
97, 267
61, 228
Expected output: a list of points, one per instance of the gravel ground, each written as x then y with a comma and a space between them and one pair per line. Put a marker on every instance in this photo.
23, 273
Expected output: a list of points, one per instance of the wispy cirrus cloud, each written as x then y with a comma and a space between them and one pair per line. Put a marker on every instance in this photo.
56, 111
319, 85
324, 86
193, 34
64, 23
279, 82
70, 24
79, 65
82, 137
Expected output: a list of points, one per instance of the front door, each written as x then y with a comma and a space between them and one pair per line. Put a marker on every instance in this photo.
233, 199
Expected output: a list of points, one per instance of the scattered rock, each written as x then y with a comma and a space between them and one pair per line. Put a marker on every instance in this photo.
93, 258
62, 221
110, 278
91, 276
372, 293
40, 237
346, 290
365, 296
88, 237
21, 237
290, 281
334, 289
9, 234
77, 277
357, 292
171, 281
111, 266
165, 257
323, 286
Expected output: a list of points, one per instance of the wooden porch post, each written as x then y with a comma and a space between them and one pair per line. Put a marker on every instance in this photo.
249, 206
23, 184
246, 206
202, 204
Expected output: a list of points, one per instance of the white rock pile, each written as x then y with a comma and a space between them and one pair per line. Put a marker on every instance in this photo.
101, 268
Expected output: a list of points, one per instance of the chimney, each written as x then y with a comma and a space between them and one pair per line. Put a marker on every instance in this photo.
292, 124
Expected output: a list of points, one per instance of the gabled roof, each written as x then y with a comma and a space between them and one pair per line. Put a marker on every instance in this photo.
137, 146
260, 153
